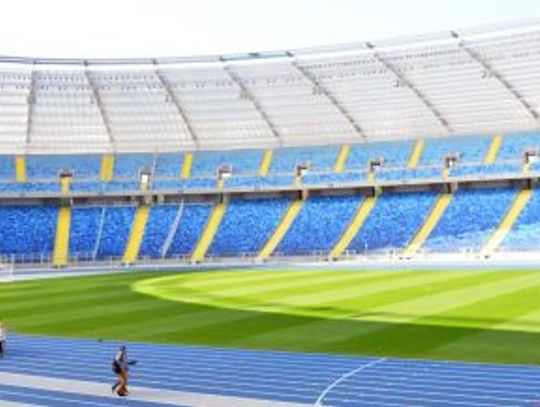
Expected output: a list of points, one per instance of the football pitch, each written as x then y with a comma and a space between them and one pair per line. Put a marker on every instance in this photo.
489, 316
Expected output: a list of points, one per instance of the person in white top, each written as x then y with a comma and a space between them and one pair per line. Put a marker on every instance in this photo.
2, 340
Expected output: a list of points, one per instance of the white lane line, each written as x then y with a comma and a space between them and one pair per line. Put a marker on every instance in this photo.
346, 376
15, 404
144, 394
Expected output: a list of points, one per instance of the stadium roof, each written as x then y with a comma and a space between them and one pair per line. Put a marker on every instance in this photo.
469, 81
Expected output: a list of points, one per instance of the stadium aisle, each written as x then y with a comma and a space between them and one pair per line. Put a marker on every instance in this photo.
66, 372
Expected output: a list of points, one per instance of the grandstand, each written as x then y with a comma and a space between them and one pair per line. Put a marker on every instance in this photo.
374, 149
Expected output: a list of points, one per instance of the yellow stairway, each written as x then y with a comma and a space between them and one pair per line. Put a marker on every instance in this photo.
20, 168
416, 154
186, 165
432, 220
341, 160
359, 218
508, 221
61, 244
494, 148
209, 232
281, 230
136, 235
65, 183
107, 167
266, 162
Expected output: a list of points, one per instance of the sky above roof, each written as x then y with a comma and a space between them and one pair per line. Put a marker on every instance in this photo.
147, 28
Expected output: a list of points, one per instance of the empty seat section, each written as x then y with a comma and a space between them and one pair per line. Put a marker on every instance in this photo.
503, 168
24, 187
516, 144
393, 222
190, 228
471, 149
84, 233
247, 226
7, 167
394, 154
129, 166
320, 159
470, 219
408, 174
115, 231
157, 229
27, 230
525, 234
319, 225
168, 165
207, 163
83, 166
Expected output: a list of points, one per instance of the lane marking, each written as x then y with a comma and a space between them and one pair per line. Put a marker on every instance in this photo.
144, 394
345, 377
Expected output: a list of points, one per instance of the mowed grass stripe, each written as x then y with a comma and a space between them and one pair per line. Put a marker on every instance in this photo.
402, 321
364, 305
245, 298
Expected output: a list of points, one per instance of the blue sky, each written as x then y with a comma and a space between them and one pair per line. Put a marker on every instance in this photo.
137, 28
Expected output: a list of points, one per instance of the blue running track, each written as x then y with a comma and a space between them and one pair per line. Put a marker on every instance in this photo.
314, 379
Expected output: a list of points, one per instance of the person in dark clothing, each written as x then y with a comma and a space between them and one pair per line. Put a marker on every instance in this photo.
2, 340
120, 368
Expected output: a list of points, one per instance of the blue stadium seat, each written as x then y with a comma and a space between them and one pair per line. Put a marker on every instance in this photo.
7, 167
394, 154
471, 149
267, 181
168, 165
470, 219
28, 229
332, 178
525, 234
207, 163
129, 166
190, 228
514, 145
247, 226
321, 159
159, 223
85, 227
319, 225
393, 222
116, 230
179, 184
47, 167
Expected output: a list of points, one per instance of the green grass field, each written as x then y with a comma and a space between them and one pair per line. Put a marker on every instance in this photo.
482, 315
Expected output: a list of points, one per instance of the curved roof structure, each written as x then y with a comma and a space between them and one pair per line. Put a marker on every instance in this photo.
472, 81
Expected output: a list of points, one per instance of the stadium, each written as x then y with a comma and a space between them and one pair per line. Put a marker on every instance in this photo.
348, 225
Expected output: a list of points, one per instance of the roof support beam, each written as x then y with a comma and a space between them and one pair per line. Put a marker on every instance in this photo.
172, 96
99, 102
503, 81
31, 100
420, 95
310, 77
249, 96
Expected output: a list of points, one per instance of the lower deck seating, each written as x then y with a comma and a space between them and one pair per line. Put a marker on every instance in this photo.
470, 219
393, 222
190, 228
247, 225
319, 225
525, 234
27, 230
158, 226
115, 230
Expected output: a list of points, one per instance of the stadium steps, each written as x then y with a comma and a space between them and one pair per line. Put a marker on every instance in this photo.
416, 154
20, 168
65, 184
266, 163
209, 232
107, 167
281, 230
360, 217
136, 235
61, 244
494, 148
187, 164
341, 160
431, 221
522, 198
